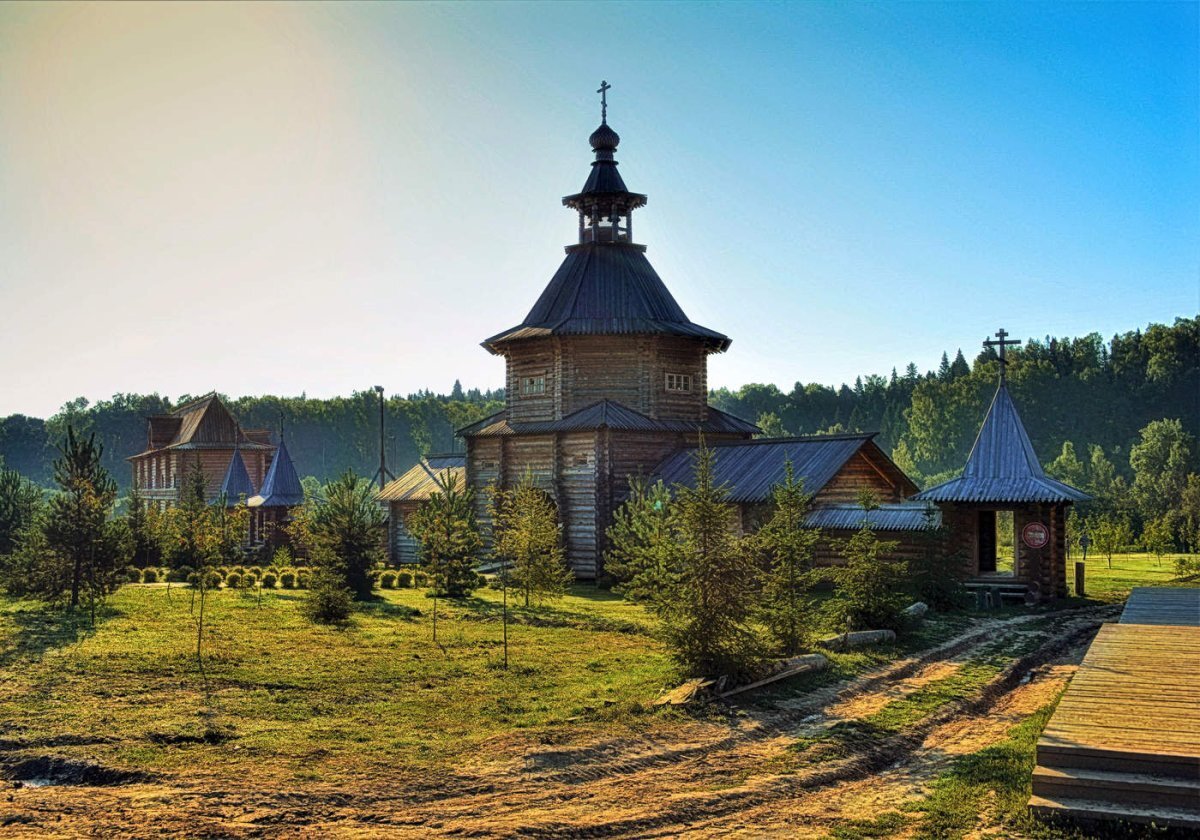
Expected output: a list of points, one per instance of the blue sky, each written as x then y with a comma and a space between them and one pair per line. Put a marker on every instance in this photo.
273, 198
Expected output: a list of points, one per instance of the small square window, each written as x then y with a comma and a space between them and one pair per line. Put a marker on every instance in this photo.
679, 382
533, 385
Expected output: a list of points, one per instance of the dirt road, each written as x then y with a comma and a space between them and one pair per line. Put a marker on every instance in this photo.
753, 770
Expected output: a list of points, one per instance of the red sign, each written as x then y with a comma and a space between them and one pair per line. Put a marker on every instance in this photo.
1035, 535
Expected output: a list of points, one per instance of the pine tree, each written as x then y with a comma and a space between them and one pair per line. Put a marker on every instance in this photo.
342, 527
451, 544
944, 368
147, 544
936, 573
786, 548
78, 525
707, 614
20, 501
642, 542
870, 592
959, 367
527, 539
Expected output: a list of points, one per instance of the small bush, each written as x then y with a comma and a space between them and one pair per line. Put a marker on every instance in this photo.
387, 580
481, 581
233, 580
496, 583
328, 602
212, 580
287, 579
404, 580
303, 579
241, 570
273, 570
251, 579
268, 580
150, 576
193, 578
180, 575
282, 559
133, 574
421, 579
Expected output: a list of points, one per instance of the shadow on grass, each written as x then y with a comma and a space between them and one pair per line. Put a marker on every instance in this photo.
543, 615
38, 628
381, 607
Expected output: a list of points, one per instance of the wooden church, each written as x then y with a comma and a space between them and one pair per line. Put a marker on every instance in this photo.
606, 378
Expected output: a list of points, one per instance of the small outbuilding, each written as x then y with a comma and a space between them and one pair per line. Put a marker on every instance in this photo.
1003, 474
405, 494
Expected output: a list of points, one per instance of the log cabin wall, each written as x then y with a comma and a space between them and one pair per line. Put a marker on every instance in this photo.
402, 545
910, 546
532, 359
859, 473
677, 356
578, 460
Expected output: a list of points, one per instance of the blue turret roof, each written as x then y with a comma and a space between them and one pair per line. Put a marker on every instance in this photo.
281, 487
1002, 466
236, 485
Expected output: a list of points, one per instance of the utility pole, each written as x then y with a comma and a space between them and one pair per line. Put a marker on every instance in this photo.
383, 473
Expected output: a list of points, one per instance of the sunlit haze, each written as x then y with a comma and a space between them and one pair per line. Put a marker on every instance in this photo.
275, 199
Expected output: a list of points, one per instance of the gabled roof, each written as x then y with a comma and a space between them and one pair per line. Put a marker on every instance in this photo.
904, 516
606, 289
1002, 466
236, 484
750, 469
427, 476
281, 487
203, 423
608, 414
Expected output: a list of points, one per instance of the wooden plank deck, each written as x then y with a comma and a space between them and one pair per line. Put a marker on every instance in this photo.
1163, 605
1137, 692
1124, 742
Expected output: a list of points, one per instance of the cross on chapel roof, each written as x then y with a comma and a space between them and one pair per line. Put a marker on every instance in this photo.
1001, 342
603, 91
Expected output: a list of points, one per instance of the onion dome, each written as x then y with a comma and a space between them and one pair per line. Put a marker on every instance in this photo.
604, 139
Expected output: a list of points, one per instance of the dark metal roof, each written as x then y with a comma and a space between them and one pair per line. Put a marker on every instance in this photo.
749, 470
608, 414
604, 182
606, 288
426, 477
236, 485
1002, 466
891, 517
281, 487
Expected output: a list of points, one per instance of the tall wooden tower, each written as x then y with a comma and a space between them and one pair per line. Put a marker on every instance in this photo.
606, 375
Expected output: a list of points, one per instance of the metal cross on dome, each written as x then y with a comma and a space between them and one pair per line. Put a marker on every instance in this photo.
603, 91
1000, 343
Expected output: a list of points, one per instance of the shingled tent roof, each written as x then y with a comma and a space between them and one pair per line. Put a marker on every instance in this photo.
606, 288
236, 484
281, 487
749, 469
607, 414
1002, 466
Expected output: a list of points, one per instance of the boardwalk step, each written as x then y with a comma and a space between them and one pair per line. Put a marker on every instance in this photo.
1120, 761
1088, 809
1110, 786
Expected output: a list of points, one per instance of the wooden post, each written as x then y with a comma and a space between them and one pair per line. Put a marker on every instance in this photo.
1079, 591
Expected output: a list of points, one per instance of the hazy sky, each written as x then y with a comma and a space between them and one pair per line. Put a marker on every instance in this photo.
273, 198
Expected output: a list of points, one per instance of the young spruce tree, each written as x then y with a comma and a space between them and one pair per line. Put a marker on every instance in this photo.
641, 553
527, 540
786, 549
871, 585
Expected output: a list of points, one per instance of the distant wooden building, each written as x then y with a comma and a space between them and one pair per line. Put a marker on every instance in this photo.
606, 375
1003, 474
203, 431
404, 495
834, 469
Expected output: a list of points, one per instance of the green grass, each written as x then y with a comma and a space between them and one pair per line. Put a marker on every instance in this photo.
318, 702
1128, 570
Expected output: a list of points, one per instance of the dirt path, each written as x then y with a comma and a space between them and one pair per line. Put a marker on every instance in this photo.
737, 776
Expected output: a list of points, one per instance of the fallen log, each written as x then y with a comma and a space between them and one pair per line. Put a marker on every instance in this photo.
793, 667
684, 694
858, 638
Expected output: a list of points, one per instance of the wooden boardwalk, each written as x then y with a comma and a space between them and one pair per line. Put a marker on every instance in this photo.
1160, 605
1124, 742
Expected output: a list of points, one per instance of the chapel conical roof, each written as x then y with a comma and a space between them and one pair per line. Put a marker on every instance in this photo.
281, 487
1002, 466
236, 486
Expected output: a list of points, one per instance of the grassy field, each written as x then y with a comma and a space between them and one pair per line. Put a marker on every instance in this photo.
320, 703
289, 709
1128, 570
